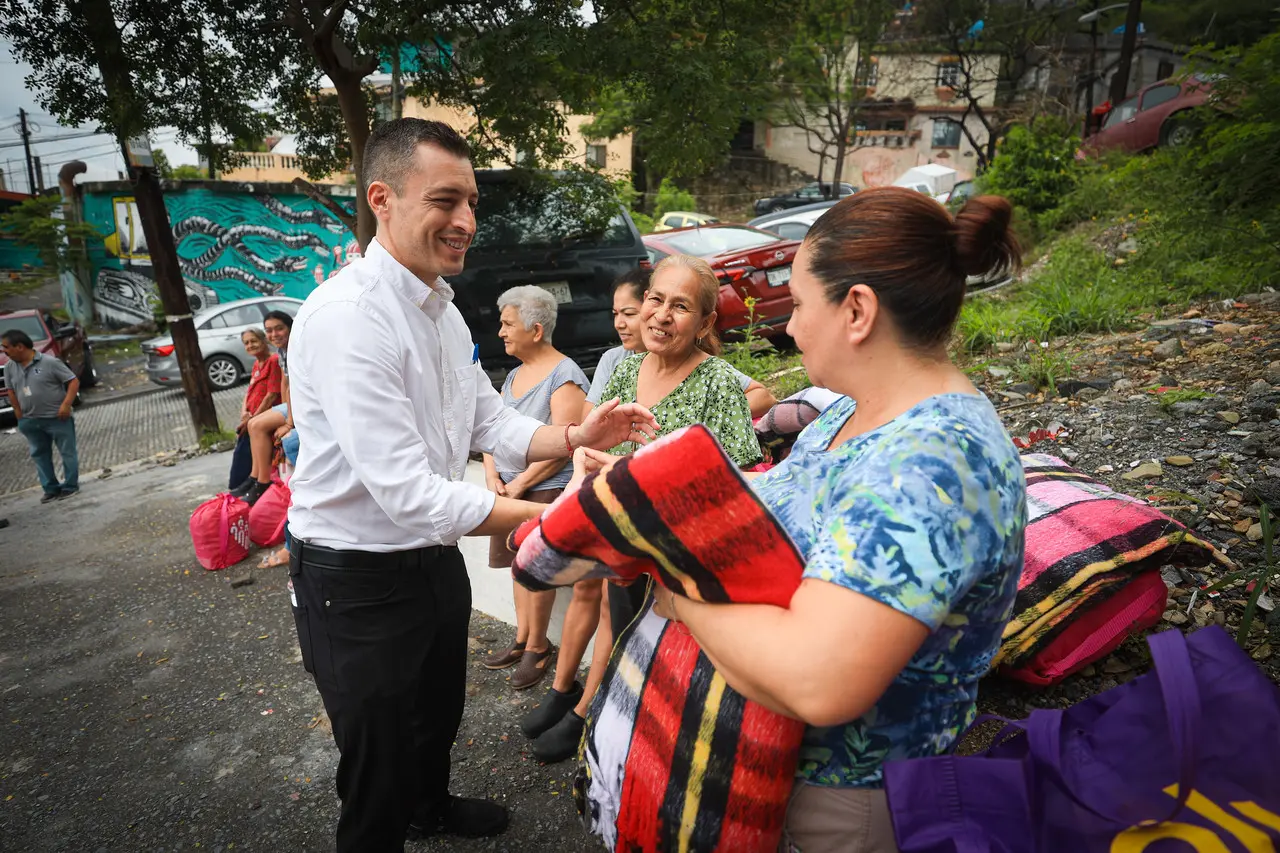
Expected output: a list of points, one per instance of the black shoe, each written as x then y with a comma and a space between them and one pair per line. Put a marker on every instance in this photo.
242, 489
68, 493
553, 708
560, 742
4, 522
256, 491
46, 498
463, 816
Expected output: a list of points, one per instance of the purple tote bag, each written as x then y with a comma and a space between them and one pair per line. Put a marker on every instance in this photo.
1184, 759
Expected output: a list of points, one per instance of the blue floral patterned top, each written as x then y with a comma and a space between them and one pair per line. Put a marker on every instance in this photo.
925, 514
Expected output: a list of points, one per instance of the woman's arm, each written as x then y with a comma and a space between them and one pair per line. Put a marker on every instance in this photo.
566, 407
491, 479
826, 660
760, 399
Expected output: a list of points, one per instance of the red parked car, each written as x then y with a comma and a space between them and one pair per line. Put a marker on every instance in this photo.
749, 263
66, 341
1156, 115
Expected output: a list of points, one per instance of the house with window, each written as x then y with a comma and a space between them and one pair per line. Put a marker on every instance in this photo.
915, 112
280, 163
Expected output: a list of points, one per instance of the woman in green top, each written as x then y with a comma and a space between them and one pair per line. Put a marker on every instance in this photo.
678, 377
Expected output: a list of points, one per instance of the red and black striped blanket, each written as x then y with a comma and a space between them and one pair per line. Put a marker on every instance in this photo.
674, 759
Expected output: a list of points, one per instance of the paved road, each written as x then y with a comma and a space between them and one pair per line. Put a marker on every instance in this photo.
121, 431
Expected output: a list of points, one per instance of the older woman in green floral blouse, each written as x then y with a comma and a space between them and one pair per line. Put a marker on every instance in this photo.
679, 378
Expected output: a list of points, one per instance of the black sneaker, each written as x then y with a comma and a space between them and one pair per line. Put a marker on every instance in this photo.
242, 489
462, 816
560, 742
553, 708
256, 491
46, 497
68, 493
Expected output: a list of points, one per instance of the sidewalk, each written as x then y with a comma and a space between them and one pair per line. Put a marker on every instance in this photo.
149, 705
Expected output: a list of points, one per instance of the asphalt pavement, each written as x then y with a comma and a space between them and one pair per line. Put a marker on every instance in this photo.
121, 430
149, 705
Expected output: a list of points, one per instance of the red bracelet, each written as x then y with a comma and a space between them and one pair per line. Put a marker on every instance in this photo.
567, 446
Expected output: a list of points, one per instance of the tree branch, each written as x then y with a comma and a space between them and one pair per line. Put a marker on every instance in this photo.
339, 212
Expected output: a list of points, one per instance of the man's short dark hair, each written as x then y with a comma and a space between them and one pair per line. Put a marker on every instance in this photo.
390, 149
281, 316
17, 337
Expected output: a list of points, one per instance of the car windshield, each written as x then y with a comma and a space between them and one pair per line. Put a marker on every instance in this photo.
31, 325
542, 211
715, 241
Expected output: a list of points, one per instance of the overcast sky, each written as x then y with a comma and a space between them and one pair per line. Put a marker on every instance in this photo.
99, 153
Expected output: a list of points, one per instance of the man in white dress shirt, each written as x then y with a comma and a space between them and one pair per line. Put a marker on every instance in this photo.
389, 400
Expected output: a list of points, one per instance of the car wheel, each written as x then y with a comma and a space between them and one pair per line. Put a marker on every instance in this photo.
223, 372
1177, 133
88, 373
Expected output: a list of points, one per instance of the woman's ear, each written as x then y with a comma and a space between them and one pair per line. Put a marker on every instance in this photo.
860, 308
708, 325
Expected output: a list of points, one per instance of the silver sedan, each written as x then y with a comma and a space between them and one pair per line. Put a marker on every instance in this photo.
219, 329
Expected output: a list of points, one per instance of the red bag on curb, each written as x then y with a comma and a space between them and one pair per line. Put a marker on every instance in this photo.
220, 532
268, 515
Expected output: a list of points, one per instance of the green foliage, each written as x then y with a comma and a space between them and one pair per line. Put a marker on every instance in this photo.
187, 172
1266, 572
1168, 399
38, 223
1035, 167
671, 197
209, 437
1044, 367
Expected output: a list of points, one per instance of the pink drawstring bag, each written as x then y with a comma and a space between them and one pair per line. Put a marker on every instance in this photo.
268, 515
220, 532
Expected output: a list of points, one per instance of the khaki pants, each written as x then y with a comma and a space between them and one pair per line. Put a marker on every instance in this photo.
837, 820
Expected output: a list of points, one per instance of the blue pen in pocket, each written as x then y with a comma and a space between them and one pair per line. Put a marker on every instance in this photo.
475, 353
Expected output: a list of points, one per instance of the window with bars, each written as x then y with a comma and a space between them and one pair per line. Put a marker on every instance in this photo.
948, 75
597, 155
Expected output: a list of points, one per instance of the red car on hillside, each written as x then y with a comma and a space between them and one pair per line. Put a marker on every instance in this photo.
749, 263
1156, 115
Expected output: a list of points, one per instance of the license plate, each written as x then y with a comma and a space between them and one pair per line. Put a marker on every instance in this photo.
558, 289
778, 276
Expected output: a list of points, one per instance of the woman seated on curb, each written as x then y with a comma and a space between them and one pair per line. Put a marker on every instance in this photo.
275, 423
906, 499
263, 393
674, 372
546, 385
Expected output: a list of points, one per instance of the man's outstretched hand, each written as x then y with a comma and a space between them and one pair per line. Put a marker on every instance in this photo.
614, 422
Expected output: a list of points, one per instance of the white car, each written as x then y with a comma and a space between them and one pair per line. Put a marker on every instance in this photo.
219, 329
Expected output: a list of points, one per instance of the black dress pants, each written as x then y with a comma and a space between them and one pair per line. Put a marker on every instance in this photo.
385, 636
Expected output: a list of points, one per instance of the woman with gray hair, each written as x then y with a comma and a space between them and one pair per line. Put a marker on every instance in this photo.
546, 385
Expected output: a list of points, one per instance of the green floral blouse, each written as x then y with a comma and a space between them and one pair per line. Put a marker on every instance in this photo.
711, 395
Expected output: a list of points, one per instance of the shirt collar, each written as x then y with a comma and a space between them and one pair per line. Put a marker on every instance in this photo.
431, 299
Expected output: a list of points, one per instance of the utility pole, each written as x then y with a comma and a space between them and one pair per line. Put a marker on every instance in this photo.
126, 110
39, 176
1093, 68
1120, 82
26, 147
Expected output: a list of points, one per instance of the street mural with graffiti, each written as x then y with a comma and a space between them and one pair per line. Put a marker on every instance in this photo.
234, 241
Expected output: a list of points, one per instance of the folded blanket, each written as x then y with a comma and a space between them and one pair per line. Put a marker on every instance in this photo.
1083, 542
674, 758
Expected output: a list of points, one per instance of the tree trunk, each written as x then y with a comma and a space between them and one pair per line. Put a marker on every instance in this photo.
113, 65
1120, 82
356, 117
837, 173
397, 103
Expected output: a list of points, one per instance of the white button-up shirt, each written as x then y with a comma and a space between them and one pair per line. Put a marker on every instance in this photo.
388, 401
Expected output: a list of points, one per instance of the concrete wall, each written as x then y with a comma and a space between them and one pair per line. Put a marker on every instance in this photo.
234, 241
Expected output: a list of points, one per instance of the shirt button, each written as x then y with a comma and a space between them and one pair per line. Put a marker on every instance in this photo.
326, 603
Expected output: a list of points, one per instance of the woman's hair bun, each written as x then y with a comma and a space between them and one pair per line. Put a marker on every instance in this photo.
981, 240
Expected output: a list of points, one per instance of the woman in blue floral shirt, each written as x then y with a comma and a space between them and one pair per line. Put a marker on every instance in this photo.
906, 498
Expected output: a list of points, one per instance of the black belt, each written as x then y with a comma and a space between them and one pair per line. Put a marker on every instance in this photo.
380, 561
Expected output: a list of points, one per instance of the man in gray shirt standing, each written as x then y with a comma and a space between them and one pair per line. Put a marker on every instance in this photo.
42, 390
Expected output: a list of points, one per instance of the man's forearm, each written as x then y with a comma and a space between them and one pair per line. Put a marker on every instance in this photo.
506, 515
549, 443
73, 388
13, 401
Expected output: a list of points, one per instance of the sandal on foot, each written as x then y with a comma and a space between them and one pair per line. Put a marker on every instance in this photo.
510, 656
533, 665
275, 558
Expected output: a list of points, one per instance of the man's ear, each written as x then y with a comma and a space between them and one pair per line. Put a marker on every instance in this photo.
379, 197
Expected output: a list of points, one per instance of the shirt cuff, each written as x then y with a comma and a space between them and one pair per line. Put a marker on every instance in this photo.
511, 450
461, 517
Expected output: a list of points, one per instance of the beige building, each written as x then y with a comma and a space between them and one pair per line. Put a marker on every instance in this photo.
281, 163
912, 116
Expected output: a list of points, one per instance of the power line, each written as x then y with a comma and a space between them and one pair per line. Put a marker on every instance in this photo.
38, 140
